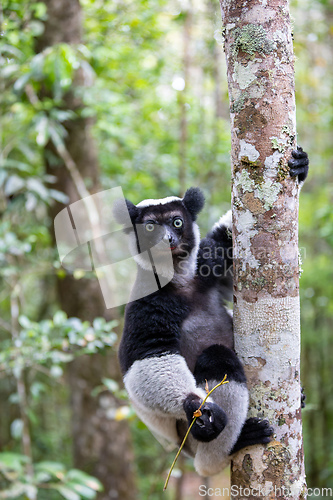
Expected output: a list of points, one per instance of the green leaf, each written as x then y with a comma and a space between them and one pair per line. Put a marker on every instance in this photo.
99, 323
38, 187
39, 9
55, 469
13, 185
110, 325
16, 428
15, 491
81, 477
62, 115
59, 196
14, 164
37, 388
56, 371
12, 461
61, 357
30, 491
36, 28
111, 384
59, 318
42, 128
14, 51
21, 83
24, 321
68, 493
83, 490
56, 134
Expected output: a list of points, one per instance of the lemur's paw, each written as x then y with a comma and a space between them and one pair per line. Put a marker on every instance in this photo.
210, 423
303, 397
299, 164
254, 431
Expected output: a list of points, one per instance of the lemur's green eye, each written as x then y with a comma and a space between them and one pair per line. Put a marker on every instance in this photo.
150, 227
178, 223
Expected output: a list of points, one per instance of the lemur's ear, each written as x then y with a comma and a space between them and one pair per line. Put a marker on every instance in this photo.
132, 209
194, 201
121, 211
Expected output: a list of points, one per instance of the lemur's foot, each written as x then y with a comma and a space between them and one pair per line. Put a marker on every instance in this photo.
254, 431
210, 423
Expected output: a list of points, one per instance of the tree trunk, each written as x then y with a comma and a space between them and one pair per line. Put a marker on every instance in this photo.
102, 446
259, 54
182, 95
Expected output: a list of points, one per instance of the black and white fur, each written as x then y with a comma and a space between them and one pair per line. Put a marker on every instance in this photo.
181, 336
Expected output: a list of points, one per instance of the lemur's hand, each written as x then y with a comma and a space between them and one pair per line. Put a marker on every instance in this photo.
210, 423
303, 397
299, 164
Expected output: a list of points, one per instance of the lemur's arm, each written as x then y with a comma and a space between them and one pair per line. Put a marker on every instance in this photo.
214, 263
215, 252
299, 164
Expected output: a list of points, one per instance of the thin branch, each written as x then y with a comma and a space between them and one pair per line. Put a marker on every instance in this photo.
224, 381
21, 390
91, 209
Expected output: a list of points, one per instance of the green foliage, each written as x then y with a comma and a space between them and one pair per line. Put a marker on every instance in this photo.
313, 47
71, 484
130, 57
55, 341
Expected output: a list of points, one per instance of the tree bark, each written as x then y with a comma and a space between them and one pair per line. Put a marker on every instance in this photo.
259, 54
102, 446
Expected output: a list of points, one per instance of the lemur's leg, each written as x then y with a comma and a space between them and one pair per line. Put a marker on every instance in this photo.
162, 388
212, 365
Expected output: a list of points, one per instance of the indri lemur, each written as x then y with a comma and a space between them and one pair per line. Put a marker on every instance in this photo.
180, 336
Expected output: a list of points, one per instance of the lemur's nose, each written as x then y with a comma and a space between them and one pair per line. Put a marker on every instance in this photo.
169, 237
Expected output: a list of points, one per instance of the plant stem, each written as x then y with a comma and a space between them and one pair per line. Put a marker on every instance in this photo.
224, 381
21, 390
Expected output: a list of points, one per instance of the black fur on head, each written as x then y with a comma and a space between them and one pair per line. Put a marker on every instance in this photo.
120, 214
194, 201
132, 209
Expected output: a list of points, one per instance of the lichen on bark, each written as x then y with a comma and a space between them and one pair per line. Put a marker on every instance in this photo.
251, 39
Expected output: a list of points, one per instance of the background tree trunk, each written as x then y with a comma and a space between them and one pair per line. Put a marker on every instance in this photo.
182, 96
102, 447
259, 53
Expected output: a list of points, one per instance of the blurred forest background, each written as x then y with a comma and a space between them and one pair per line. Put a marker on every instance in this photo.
107, 93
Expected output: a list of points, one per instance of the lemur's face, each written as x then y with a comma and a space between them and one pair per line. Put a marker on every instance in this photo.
168, 223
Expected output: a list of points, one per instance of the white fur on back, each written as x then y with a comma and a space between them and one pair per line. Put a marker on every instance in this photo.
225, 220
161, 201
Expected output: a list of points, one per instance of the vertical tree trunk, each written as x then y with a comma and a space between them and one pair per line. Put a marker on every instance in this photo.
259, 53
102, 447
182, 102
